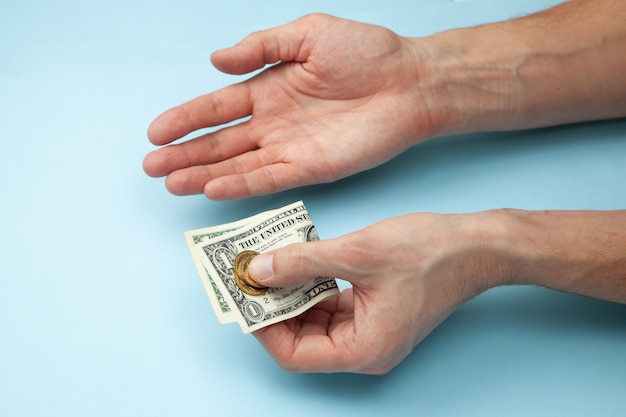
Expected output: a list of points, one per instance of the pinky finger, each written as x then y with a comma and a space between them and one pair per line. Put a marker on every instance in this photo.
264, 180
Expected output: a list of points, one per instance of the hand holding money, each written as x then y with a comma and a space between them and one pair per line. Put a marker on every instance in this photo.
407, 274
222, 254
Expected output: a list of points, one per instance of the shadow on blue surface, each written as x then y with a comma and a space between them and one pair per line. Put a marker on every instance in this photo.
499, 318
511, 163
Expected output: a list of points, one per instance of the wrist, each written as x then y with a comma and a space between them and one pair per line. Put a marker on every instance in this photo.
490, 255
474, 78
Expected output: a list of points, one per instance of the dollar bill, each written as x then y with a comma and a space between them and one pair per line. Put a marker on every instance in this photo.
213, 250
219, 304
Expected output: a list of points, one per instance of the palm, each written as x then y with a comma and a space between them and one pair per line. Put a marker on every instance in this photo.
325, 114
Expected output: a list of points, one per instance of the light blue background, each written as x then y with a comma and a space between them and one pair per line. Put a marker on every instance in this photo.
101, 309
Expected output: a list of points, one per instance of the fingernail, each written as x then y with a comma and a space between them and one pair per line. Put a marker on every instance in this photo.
261, 267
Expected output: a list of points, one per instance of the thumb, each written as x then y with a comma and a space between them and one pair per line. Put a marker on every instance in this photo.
283, 43
297, 263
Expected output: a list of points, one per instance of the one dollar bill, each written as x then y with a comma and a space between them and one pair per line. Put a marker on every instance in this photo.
213, 250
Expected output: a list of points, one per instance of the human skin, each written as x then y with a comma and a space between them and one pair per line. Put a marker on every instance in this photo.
321, 114
375, 94
410, 272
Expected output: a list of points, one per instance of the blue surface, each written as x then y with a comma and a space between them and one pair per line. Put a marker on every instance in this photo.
101, 309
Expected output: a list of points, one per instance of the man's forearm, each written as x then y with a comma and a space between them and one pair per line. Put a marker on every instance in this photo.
582, 252
564, 65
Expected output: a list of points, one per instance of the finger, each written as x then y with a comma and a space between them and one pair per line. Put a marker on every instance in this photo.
283, 43
248, 174
222, 106
319, 317
265, 179
204, 150
300, 350
188, 181
317, 341
251, 173
289, 350
300, 262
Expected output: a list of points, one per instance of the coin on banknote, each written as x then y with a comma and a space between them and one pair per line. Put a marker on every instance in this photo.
242, 279
243, 286
242, 260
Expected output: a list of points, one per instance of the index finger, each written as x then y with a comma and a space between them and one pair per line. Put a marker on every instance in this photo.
222, 106
311, 353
